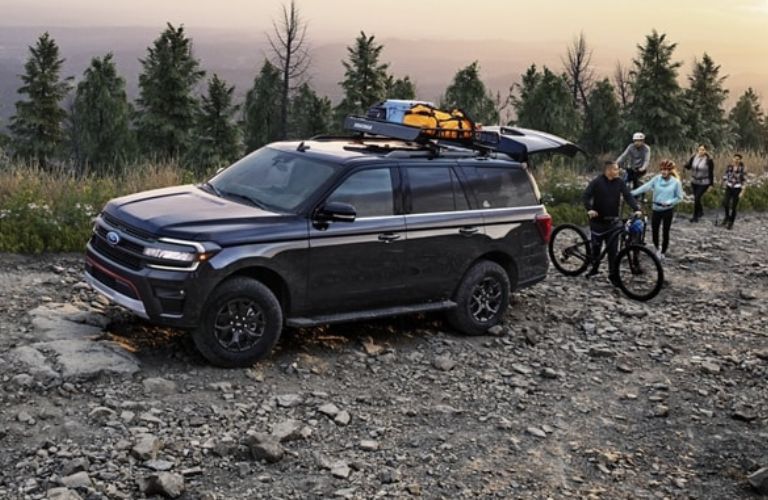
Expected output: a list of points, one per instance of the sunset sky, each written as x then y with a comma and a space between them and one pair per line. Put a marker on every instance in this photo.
733, 32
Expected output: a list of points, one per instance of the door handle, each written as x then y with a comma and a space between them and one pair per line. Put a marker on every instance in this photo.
388, 237
469, 230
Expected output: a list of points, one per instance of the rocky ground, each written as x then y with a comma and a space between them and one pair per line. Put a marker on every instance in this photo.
582, 393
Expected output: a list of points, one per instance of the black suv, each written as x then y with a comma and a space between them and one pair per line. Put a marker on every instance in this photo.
328, 230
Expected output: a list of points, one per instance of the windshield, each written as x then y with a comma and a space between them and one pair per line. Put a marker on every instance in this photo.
272, 179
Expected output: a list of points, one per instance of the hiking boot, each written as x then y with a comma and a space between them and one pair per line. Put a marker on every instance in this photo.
613, 279
592, 272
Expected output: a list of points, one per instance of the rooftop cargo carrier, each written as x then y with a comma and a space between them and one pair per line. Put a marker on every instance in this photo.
517, 143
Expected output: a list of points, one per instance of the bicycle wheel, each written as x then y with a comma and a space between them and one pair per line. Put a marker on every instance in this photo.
639, 272
569, 249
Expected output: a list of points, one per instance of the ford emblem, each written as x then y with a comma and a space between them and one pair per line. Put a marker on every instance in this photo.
113, 238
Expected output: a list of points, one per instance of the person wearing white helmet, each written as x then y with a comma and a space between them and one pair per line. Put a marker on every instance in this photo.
635, 160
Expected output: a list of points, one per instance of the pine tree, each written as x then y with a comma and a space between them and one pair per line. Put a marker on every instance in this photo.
166, 105
467, 91
37, 127
657, 106
216, 139
310, 114
365, 78
748, 123
544, 102
261, 123
602, 121
400, 88
704, 100
100, 116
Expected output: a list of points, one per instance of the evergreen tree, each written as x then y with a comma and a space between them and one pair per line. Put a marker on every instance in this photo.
467, 91
37, 127
602, 121
704, 100
544, 102
748, 123
261, 123
310, 114
657, 106
400, 88
217, 136
365, 79
167, 105
100, 116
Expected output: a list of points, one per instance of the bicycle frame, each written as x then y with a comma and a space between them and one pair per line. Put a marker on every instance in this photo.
616, 232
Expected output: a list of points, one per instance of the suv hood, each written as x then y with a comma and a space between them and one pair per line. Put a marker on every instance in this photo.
534, 141
188, 212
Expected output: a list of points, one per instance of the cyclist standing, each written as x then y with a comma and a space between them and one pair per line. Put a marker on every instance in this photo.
637, 157
667, 193
602, 199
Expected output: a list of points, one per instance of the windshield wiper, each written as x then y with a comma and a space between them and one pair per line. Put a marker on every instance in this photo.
248, 200
212, 188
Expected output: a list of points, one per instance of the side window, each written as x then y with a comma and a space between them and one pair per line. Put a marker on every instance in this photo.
435, 189
501, 187
369, 191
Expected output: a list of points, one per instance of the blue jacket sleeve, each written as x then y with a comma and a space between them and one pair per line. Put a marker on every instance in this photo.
645, 187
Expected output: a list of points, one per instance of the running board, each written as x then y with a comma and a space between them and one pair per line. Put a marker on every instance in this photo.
369, 314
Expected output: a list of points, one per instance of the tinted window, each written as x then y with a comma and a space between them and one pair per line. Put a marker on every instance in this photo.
500, 187
369, 191
435, 189
271, 178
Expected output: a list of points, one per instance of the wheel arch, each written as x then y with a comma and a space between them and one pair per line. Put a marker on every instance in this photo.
504, 260
269, 278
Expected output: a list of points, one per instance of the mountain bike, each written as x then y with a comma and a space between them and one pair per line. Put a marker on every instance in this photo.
639, 271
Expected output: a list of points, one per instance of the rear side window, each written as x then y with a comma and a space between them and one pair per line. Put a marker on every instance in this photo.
501, 187
435, 189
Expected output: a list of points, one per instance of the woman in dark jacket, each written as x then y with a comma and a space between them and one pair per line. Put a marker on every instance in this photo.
702, 176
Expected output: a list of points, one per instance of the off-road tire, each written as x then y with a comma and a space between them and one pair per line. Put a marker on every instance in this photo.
242, 306
484, 281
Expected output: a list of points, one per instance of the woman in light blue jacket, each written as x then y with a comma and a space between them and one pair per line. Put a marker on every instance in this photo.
667, 193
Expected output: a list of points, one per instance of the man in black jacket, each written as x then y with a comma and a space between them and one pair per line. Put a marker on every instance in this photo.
602, 200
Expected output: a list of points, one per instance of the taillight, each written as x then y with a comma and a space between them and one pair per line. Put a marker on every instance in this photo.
544, 223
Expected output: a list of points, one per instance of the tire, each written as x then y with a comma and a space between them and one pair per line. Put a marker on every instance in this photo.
639, 271
569, 250
240, 324
482, 298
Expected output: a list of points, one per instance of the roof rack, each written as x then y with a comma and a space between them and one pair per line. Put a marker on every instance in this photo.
479, 140
517, 143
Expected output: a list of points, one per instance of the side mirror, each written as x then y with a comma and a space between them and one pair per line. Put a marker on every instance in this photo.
336, 211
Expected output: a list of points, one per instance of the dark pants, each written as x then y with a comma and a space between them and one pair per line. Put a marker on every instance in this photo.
633, 178
698, 193
599, 232
661, 218
730, 202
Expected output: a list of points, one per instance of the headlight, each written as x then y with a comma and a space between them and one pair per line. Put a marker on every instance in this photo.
159, 253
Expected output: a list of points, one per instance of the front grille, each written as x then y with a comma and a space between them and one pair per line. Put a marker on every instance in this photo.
115, 253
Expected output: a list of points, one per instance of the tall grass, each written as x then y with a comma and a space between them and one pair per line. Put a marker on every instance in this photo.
44, 211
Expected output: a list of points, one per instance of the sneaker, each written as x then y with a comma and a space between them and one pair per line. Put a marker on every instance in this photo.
730, 225
662, 257
614, 280
658, 253
592, 272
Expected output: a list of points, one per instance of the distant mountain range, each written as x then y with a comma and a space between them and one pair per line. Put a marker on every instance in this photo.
237, 56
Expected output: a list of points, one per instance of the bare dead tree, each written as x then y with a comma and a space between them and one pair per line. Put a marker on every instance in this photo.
578, 69
622, 81
290, 54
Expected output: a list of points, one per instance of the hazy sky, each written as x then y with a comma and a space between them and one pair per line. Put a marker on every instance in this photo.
733, 32
733, 23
